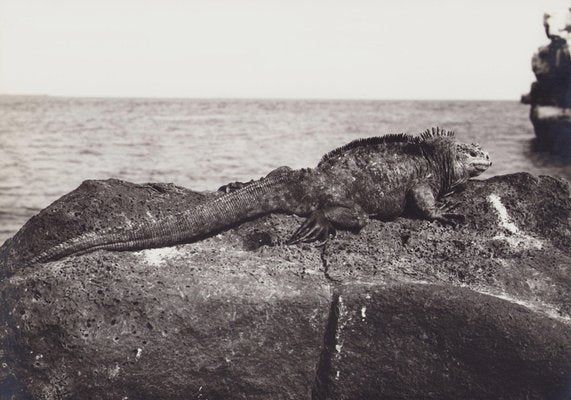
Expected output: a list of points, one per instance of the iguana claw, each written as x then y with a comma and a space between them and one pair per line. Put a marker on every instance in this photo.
315, 228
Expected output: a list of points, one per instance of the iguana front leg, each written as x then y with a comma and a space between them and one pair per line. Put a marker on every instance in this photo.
323, 222
422, 201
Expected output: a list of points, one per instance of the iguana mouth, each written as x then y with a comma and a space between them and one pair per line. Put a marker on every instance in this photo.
481, 167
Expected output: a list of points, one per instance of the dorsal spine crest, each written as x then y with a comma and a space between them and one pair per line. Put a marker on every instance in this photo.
436, 132
371, 141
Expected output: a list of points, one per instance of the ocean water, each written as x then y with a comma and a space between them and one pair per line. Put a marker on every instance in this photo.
49, 145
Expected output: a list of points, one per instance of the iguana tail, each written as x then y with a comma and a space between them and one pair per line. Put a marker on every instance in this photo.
256, 199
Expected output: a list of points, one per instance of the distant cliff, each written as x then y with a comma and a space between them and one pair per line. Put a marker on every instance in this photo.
550, 95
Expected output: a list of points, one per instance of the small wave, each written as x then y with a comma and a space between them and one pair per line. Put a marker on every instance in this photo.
90, 152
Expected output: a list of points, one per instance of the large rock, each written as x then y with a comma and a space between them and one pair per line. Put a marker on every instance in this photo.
404, 309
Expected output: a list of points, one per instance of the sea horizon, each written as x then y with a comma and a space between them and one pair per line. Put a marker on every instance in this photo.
214, 98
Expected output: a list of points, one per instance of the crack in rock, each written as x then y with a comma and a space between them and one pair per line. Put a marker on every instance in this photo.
322, 384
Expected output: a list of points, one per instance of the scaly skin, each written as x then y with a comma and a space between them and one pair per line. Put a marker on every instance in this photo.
378, 177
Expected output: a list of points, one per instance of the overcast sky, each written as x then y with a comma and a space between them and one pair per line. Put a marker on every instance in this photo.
385, 49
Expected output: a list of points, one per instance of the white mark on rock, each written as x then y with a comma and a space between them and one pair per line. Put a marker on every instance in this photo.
364, 312
514, 237
138, 355
535, 306
114, 372
337, 375
158, 256
151, 216
343, 313
505, 221
368, 296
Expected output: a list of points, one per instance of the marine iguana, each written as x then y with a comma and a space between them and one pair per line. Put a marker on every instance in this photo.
377, 177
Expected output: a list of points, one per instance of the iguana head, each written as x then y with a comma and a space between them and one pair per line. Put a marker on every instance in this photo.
471, 159
458, 161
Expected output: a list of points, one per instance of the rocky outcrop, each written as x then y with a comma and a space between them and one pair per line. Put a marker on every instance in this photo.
404, 309
550, 95
552, 68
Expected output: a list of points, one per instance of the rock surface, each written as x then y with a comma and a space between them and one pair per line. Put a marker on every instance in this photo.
404, 309
550, 95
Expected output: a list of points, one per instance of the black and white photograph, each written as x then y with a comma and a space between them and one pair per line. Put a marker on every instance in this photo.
285, 200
